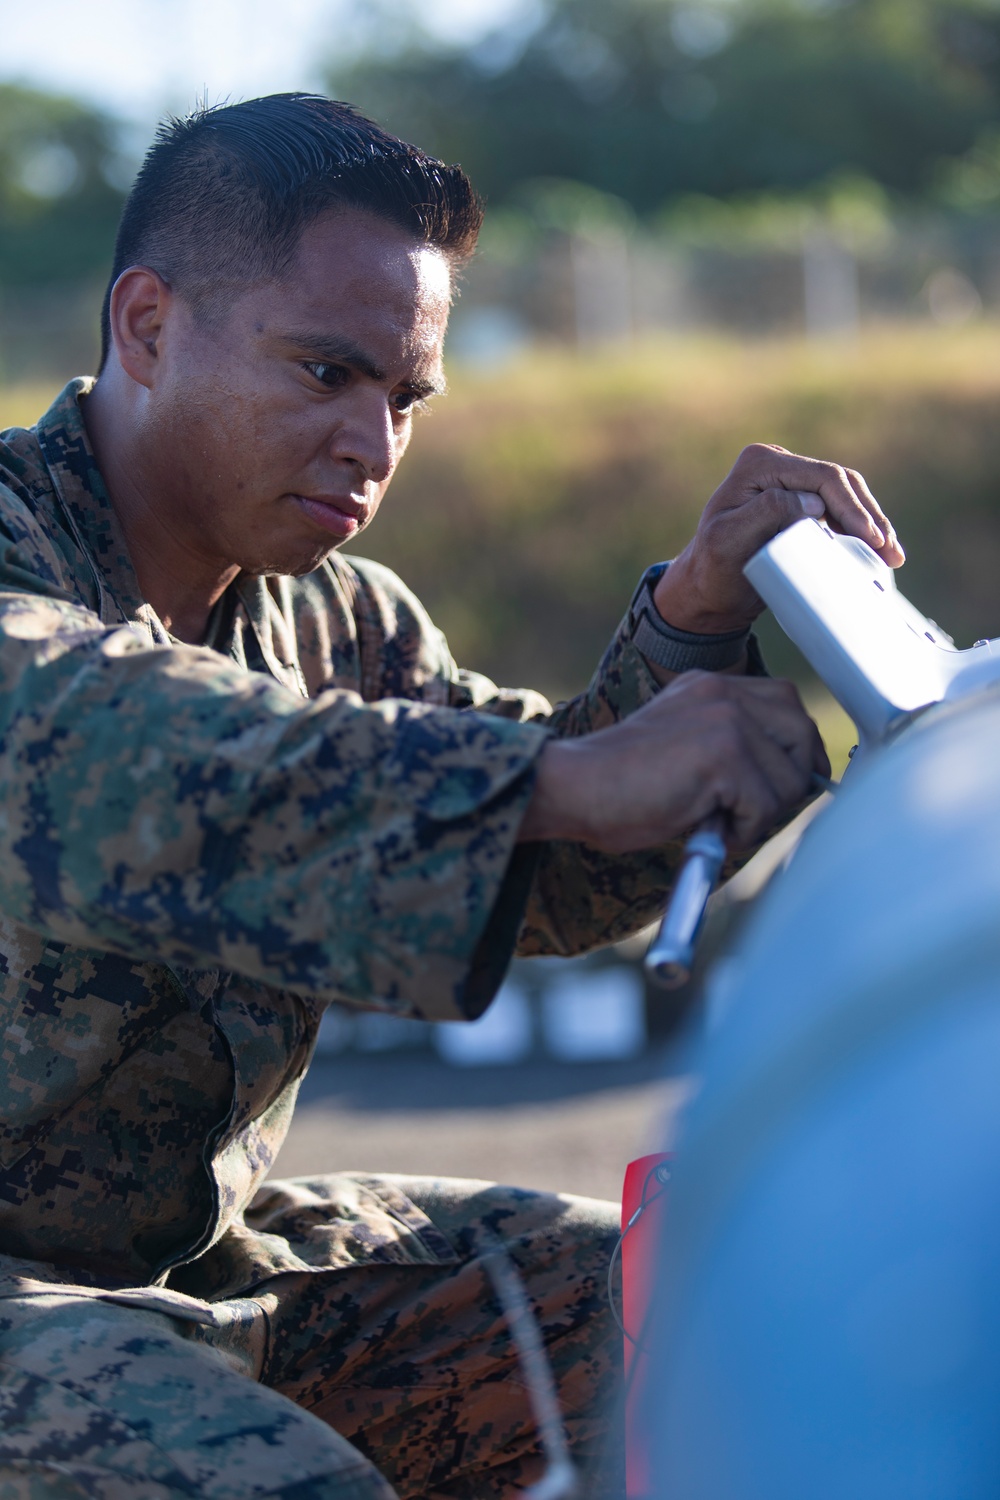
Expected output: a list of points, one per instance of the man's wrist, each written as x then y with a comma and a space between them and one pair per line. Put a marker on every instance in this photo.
554, 809
674, 649
692, 596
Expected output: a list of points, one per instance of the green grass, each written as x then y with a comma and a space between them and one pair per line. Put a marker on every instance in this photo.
533, 496
22, 405
838, 731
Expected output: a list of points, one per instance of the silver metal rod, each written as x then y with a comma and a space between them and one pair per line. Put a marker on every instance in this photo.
670, 956
671, 953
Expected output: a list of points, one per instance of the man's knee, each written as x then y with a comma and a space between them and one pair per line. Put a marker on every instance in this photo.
42, 1480
475, 1214
110, 1402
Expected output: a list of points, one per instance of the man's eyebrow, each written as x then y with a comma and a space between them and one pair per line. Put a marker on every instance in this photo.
340, 351
424, 389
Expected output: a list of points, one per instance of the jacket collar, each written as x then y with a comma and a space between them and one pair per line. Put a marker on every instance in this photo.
83, 495
262, 605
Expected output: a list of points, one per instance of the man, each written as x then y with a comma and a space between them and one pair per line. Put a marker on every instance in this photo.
242, 777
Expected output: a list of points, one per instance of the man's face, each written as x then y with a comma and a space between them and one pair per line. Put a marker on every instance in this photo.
277, 426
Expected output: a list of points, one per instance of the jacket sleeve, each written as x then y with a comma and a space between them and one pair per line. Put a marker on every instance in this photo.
582, 897
560, 898
161, 803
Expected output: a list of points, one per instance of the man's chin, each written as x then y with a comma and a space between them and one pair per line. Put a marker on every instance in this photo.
292, 566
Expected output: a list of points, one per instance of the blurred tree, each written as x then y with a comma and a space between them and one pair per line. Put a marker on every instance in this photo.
61, 188
650, 99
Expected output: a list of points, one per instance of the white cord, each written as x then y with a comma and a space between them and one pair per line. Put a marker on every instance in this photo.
559, 1482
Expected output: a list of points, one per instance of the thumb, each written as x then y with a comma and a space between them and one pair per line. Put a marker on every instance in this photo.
811, 503
772, 511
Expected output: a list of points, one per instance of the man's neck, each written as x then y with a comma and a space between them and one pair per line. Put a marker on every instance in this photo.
181, 584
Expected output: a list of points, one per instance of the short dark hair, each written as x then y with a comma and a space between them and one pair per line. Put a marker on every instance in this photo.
223, 195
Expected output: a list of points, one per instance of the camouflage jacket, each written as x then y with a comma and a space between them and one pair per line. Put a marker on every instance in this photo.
201, 846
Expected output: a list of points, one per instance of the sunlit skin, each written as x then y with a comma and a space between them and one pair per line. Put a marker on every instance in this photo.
264, 436
261, 437
768, 488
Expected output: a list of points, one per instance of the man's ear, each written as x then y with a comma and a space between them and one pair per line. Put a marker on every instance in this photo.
140, 303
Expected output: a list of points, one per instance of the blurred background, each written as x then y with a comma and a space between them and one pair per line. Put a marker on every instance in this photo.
709, 222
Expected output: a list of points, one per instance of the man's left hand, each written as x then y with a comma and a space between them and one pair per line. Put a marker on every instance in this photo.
768, 489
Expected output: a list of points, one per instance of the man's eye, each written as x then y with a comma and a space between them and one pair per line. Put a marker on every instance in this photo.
406, 401
331, 376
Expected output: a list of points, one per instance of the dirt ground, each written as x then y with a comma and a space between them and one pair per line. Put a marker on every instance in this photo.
568, 1127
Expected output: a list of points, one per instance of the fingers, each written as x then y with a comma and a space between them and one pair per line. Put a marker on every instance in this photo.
745, 793
778, 711
706, 744
785, 781
754, 778
759, 747
771, 511
772, 704
892, 552
705, 589
846, 498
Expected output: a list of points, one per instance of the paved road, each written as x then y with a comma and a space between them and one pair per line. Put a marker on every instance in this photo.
544, 1125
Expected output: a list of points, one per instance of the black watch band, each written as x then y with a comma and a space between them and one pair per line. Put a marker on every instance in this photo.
678, 650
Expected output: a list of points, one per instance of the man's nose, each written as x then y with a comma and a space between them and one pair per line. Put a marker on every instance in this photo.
365, 435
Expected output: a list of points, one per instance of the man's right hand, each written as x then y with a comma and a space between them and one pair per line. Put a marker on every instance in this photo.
709, 743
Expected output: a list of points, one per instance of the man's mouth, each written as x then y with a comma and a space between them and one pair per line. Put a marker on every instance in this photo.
340, 515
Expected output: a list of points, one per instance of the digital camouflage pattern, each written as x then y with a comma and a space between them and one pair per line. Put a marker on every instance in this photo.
199, 849
402, 1379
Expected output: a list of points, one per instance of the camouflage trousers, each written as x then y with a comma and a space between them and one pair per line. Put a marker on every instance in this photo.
353, 1384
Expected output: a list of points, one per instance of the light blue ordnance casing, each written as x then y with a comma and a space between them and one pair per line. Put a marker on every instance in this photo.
828, 1312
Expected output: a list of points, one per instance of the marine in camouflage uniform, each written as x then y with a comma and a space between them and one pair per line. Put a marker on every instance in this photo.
201, 847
